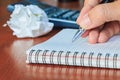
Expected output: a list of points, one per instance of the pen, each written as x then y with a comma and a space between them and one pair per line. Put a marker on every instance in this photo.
80, 30
78, 34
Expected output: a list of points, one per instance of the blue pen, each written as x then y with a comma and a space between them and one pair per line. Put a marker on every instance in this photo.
80, 30
78, 34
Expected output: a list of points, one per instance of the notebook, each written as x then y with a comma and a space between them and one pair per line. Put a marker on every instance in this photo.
60, 50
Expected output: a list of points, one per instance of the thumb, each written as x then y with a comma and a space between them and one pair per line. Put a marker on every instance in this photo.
100, 14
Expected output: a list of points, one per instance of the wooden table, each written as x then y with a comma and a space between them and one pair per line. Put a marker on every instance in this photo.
13, 57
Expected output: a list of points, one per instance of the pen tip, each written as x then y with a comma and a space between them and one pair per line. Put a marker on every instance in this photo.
73, 40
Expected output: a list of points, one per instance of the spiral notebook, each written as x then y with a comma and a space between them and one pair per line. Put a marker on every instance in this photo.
60, 50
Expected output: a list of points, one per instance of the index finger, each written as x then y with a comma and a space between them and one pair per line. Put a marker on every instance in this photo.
91, 3
88, 5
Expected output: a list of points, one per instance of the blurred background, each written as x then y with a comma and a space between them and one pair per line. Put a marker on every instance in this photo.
61, 3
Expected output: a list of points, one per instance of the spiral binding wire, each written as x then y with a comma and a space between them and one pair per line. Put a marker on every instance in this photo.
98, 59
90, 59
74, 57
115, 60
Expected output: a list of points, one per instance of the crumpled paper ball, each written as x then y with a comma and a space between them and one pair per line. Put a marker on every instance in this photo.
29, 21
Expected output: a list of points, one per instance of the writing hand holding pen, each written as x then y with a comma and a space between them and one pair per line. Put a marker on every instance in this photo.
101, 21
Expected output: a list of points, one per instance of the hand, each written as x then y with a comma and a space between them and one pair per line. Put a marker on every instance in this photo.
100, 20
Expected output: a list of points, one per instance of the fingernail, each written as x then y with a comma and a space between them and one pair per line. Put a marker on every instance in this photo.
85, 22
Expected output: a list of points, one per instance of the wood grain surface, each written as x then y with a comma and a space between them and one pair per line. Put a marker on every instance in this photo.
13, 57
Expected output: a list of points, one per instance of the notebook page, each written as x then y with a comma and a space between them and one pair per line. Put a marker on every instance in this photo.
63, 41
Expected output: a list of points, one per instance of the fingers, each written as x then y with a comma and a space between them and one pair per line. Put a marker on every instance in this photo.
93, 15
93, 36
88, 5
85, 34
101, 36
91, 3
109, 30
100, 14
82, 13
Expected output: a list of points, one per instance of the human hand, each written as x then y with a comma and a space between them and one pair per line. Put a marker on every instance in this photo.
100, 20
